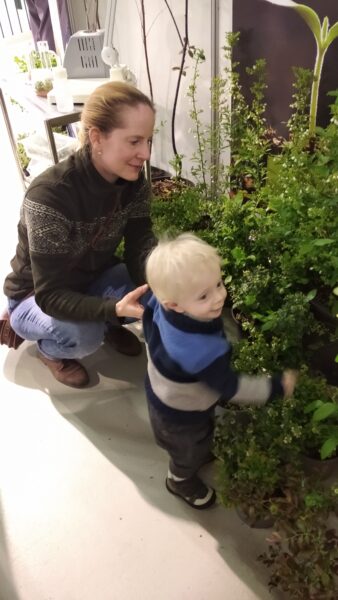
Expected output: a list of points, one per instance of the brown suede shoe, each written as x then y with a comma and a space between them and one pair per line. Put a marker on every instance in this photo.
67, 371
123, 341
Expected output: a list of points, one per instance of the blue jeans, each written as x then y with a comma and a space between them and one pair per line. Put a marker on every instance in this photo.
70, 339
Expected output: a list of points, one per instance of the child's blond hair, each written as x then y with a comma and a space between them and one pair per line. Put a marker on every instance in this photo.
175, 266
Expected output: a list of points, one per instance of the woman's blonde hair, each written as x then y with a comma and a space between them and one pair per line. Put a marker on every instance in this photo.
105, 105
174, 266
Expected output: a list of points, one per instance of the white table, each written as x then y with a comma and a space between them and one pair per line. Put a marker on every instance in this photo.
24, 111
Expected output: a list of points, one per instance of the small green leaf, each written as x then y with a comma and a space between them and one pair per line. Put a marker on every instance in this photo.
250, 299
258, 316
311, 18
332, 34
312, 406
328, 448
326, 410
335, 291
311, 295
322, 242
238, 254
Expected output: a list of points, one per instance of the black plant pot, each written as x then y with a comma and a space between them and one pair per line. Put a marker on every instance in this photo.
322, 314
255, 523
322, 355
265, 520
321, 469
157, 173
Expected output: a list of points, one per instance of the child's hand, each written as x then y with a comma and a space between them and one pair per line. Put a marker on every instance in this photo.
289, 380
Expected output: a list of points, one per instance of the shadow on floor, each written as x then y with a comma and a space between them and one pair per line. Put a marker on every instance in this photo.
7, 589
112, 414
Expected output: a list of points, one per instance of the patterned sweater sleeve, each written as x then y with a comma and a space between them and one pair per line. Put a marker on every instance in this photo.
51, 246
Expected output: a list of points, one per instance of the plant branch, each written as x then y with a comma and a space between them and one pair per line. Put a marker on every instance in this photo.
97, 14
194, 114
315, 89
184, 52
86, 12
175, 24
144, 40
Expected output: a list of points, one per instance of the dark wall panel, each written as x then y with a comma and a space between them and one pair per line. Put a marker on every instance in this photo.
282, 37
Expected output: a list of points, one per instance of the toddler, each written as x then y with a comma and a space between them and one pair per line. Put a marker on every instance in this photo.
189, 370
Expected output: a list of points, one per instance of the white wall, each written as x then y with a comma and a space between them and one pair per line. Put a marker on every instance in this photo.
164, 54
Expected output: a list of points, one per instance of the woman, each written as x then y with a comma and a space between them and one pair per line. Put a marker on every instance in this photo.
67, 289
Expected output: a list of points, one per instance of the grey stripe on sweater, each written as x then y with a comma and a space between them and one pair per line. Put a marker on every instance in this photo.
199, 396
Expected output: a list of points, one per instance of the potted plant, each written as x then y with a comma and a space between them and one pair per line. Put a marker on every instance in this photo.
302, 555
43, 87
279, 249
178, 208
253, 453
256, 446
279, 245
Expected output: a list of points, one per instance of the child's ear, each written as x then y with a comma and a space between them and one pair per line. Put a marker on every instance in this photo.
172, 306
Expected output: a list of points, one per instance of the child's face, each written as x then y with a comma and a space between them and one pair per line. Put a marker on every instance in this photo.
205, 300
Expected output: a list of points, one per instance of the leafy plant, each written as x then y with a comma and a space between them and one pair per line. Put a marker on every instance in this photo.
181, 209
40, 60
281, 432
23, 158
325, 414
37, 60
43, 86
249, 469
280, 247
239, 126
21, 63
303, 549
260, 470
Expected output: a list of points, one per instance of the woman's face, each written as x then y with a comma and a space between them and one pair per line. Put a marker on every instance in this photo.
122, 152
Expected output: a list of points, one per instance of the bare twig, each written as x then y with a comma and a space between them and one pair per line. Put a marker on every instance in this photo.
86, 11
144, 40
97, 14
181, 70
175, 24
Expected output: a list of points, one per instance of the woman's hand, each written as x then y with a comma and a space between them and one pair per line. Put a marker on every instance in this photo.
129, 306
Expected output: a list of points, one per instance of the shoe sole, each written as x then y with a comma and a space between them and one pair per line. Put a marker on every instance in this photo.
210, 502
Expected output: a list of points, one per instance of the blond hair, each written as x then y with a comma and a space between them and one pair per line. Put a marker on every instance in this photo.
175, 266
104, 108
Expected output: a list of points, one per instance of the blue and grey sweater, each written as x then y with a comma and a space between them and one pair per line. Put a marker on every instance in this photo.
189, 368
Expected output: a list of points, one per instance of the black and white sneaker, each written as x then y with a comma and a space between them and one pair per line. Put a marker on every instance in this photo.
193, 491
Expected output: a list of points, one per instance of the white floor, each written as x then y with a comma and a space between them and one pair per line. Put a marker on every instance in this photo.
84, 513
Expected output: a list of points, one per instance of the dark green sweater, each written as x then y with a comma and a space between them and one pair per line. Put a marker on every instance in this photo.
72, 220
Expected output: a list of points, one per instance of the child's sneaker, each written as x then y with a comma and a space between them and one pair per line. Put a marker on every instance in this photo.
193, 491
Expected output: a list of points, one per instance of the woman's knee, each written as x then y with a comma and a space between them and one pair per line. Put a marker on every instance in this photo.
82, 339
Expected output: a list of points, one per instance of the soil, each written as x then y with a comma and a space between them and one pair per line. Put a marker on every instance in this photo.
167, 186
